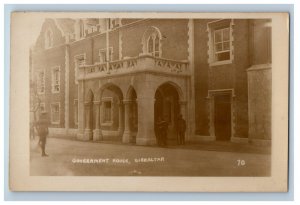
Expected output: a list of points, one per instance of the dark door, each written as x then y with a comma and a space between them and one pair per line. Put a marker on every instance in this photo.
222, 117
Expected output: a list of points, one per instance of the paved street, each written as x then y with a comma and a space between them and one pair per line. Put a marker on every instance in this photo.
71, 157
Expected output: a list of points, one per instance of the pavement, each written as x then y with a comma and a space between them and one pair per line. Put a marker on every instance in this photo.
77, 158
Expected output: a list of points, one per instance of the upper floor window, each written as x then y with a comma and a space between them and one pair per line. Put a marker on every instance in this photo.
114, 23
103, 55
41, 82
55, 80
220, 45
42, 107
48, 39
81, 29
79, 61
152, 42
153, 45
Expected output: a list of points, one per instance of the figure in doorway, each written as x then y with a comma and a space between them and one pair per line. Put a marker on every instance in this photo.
162, 131
43, 131
181, 128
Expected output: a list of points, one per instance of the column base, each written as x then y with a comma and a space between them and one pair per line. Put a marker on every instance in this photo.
126, 137
97, 135
201, 138
239, 140
145, 141
88, 134
80, 136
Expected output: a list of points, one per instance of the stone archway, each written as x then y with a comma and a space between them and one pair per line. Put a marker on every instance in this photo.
131, 116
167, 108
110, 113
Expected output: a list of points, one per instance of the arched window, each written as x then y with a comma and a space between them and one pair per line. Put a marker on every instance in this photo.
153, 45
152, 42
48, 39
81, 29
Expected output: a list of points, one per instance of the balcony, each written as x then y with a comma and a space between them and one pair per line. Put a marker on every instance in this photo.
142, 63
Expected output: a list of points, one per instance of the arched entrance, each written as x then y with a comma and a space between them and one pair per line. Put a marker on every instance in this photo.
131, 117
111, 113
167, 107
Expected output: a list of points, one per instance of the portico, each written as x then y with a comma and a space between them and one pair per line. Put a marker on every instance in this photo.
118, 100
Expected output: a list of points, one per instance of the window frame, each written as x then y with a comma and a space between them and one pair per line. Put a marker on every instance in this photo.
154, 36
53, 84
48, 41
104, 50
212, 27
103, 121
51, 113
39, 80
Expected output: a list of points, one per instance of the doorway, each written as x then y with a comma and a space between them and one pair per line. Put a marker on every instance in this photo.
167, 107
222, 117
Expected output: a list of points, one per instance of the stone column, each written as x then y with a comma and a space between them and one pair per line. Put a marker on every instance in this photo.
97, 134
87, 131
183, 112
81, 111
146, 135
127, 133
121, 120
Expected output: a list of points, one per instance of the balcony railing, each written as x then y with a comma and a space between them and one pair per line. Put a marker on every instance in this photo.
136, 64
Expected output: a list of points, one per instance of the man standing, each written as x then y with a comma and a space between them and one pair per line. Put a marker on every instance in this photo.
181, 127
162, 127
43, 131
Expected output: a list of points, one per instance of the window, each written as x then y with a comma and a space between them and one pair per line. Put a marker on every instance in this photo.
152, 40
42, 107
75, 111
55, 113
48, 39
41, 82
79, 61
114, 23
103, 55
153, 45
107, 111
220, 42
55, 80
81, 29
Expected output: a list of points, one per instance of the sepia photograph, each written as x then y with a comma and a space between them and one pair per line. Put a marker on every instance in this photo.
153, 96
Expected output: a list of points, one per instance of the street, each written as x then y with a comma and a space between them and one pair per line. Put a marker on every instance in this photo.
77, 158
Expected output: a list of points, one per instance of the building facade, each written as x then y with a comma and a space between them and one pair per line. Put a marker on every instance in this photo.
112, 79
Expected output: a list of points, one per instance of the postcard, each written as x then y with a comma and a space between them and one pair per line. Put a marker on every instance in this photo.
159, 102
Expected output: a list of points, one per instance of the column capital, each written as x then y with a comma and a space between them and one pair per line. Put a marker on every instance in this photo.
127, 101
97, 102
88, 103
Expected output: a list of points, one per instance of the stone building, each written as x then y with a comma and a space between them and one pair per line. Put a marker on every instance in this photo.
111, 79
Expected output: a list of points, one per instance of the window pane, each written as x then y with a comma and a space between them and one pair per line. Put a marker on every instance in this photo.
218, 47
107, 111
156, 43
226, 34
226, 45
218, 36
150, 45
223, 56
